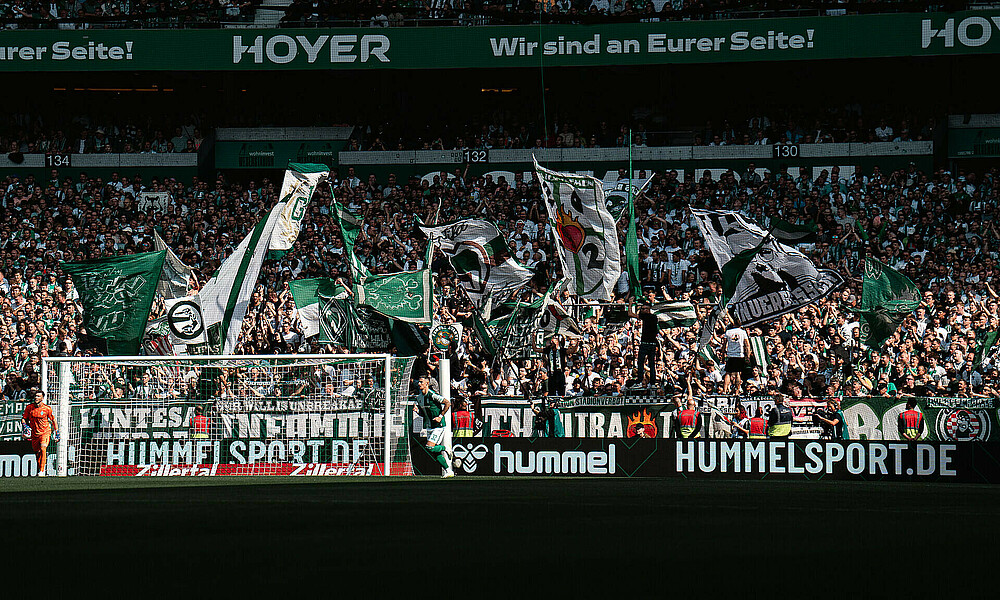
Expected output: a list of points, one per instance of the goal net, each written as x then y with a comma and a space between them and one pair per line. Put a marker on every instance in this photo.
230, 415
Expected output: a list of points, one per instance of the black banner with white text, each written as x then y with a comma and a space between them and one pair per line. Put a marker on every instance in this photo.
810, 460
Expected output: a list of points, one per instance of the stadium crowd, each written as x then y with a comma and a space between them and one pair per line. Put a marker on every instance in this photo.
23, 131
938, 228
120, 14
504, 130
82, 134
105, 14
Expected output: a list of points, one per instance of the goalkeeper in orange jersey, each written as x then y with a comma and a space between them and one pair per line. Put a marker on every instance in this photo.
35, 425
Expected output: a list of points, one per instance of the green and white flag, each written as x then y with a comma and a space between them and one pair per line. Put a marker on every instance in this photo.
556, 320
761, 278
674, 314
616, 194
301, 180
790, 233
482, 260
117, 294
707, 354
350, 227
585, 233
759, 348
887, 297
225, 298
308, 295
405, 296
176, 276
985, 349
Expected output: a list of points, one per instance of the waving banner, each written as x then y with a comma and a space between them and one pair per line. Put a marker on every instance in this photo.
297, 190
887, 297
117, 294
767, 278
404, 296
618, 193
584, 231
480, 256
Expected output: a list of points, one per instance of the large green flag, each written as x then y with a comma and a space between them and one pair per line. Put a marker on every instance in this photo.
350, 226
887, 297
405, 296
117, 294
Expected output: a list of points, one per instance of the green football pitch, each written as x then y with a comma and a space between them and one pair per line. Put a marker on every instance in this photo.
510, 535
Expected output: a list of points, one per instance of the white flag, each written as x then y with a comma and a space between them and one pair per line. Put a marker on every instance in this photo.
481, 258
225, 298
584, 231
761, 277
296, 191
176, 276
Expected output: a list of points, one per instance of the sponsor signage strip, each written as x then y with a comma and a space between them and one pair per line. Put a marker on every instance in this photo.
675, 42
723, 459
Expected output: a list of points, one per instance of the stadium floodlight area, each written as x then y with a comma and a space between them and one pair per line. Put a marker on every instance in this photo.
230, 415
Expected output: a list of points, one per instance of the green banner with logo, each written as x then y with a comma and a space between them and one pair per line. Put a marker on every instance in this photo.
945, 419
673, 42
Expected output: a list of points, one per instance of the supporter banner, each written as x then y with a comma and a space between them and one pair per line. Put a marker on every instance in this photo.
673, 42
717, 459
945, 419
650, 419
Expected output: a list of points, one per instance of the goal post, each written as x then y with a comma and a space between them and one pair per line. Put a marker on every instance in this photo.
333, 414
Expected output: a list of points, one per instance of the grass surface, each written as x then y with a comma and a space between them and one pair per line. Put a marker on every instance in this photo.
506, 536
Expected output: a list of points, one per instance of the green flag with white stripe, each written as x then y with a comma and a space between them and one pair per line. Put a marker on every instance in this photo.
759, 348
674, 314
707, 354
350, 227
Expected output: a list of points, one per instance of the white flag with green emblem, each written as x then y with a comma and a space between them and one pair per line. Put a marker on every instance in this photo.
297, 190
585, 233
403, 296
225, 298
482, 260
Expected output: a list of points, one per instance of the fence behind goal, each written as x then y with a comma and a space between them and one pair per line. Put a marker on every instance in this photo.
230, 415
